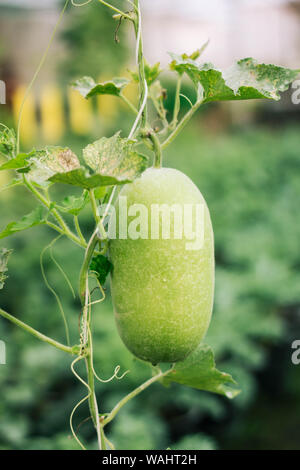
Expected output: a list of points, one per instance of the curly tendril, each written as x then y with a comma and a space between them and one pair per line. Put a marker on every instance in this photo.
94, 275
188, 100
83, 400
60, 268
50, 288
114, 376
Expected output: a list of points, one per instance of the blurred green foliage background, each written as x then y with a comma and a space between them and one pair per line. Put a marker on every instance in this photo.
249, 175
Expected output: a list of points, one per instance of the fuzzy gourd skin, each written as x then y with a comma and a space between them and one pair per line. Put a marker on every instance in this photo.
162, 293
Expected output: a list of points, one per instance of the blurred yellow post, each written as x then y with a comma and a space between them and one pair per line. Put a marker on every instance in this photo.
107, 105
81, 113
29, 127
131, 92
52, 114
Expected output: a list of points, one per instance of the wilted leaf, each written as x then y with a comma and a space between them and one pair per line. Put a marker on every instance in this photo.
199, 371
36, 217
245, 80
51, 161
114, 157
102, 267
87, 87
112, 160
4, 255
8, 142
74, 205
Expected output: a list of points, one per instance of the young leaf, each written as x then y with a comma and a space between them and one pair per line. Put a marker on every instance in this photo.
151, 73
74, 205
36, 217
195, 55
245, 80
51, 161
102, 267
8, 142
4, 255
199, 371
115, 157
87, 87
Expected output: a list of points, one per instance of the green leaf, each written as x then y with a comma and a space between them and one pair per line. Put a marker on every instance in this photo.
82, 178
112, 160
244, 80
74, 205
20, 161
87, 87
4, 255
36, 217
102, 267
8, 142
51, 161
151, 73
199, 371
100, 192
114, 157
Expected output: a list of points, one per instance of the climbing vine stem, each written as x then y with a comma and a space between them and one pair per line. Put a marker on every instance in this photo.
182, 124
37, 334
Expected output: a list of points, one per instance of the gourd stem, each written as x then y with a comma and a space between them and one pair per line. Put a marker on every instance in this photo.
156, 146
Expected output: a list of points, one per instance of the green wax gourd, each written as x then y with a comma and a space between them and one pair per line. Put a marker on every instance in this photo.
162, 290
